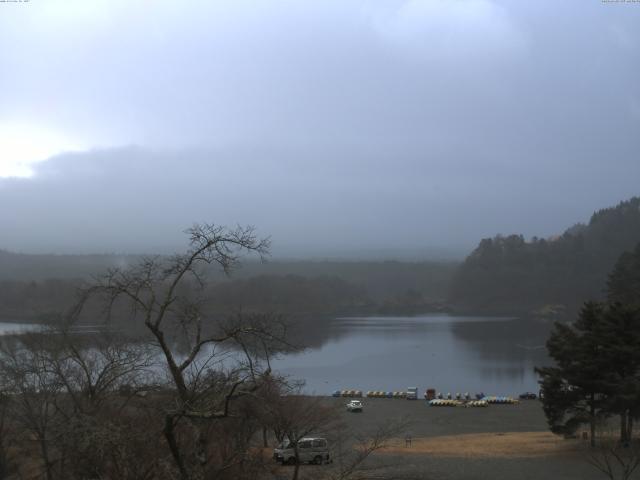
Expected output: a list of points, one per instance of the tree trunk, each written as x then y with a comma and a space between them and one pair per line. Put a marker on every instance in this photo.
264, 437
628, 428
45, 457
592, 422
296, 468
623, 428
176, 373
169, 434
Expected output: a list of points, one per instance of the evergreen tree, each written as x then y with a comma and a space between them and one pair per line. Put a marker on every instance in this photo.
508, 274
575, 390
597, 371
624, 282
623, 333
620, 359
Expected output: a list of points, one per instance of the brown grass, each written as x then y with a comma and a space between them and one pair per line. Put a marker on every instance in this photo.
508, 444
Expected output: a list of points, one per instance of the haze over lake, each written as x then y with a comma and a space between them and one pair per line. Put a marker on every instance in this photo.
449, 353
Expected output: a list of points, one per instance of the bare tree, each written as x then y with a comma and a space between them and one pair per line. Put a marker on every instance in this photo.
616, 460
295, 416
100, 374
65, 391
92, 368
33, 393
210, 363
7, 465
354, 461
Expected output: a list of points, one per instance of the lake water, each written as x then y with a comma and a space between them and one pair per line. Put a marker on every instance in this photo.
448, 353
7, 328
452, 354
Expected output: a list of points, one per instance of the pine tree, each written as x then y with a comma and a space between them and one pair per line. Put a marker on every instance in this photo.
620, 334
623, 285
576, 388
623, 331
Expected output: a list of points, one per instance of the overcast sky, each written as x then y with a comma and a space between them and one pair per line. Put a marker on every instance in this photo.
333, 126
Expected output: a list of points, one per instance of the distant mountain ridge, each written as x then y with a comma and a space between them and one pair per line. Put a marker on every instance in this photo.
507, 274
33, 285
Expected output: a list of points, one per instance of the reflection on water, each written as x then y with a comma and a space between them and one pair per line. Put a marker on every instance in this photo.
451, 354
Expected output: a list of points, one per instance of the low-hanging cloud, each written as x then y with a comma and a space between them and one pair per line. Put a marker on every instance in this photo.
349, 124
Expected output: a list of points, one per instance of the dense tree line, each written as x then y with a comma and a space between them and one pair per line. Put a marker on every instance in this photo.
38, 267
32, 284
291, 294
32, 301
510, 274
311, 293
380, 280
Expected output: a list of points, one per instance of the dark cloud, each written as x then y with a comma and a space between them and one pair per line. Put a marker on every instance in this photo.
331, 125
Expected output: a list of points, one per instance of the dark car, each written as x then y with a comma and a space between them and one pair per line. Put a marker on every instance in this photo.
528, 396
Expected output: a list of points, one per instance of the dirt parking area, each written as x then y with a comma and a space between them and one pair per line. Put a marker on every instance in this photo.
486, 445
454, 443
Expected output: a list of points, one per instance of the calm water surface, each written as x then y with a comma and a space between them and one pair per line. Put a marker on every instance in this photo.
7, 328
451, 354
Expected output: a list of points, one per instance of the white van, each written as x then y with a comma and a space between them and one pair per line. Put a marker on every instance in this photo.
310, 450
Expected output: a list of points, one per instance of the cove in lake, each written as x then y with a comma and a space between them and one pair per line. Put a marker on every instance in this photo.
449, 353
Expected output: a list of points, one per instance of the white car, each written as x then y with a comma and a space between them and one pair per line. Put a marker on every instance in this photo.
310, 450
354, 406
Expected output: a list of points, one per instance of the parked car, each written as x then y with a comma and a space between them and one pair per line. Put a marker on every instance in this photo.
310, 450
354, 406
528, 396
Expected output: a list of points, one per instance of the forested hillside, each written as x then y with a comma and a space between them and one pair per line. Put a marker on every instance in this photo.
511, 275
30, 267
382, 280
35, 285
285, 294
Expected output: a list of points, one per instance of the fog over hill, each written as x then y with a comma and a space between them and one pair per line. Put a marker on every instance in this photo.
340, 128
135, 200
508, 273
